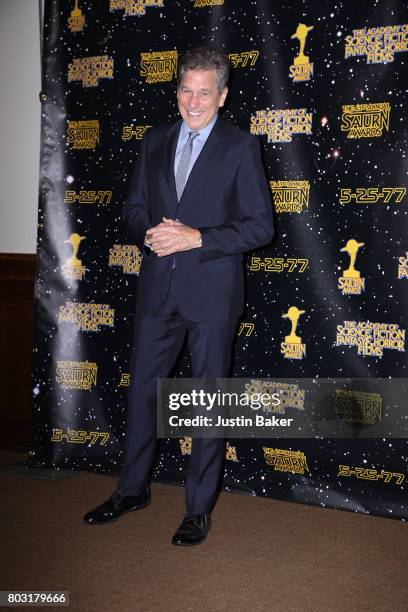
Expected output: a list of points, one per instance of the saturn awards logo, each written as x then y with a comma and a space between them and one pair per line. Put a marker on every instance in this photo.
283, 460
301, 69
290, 196
76, 374
351, 282
73, 267
83, 134
365, 120
355, 406
158, 66
293, 348
76, 21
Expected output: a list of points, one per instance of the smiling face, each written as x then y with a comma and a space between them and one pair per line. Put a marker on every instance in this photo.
198, 97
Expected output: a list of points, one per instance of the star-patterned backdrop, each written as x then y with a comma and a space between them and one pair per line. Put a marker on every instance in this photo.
323, 86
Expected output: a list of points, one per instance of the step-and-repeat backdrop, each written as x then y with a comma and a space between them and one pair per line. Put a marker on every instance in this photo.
322, 85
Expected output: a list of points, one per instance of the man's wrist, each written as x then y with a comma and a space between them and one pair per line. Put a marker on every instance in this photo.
199, 241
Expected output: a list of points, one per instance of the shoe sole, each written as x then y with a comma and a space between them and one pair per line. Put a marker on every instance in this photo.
118, 517
189, 544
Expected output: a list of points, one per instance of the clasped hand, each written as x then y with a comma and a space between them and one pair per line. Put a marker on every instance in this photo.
171, 236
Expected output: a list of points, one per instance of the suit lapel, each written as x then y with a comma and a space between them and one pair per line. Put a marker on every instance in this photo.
169, 153
212, 146
205, 158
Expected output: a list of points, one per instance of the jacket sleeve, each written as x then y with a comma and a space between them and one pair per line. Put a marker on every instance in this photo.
252, 225
136, 216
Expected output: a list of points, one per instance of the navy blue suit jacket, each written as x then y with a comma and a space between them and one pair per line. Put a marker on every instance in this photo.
226, 197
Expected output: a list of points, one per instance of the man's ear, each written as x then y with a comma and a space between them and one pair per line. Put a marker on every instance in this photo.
223, 96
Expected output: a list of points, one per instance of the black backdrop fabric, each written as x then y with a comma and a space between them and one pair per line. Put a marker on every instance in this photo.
323, 86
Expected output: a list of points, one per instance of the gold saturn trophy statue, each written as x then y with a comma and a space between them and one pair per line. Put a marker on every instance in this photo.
76, 11
76, 21
301, 34
293, 315
74, 240
352, 248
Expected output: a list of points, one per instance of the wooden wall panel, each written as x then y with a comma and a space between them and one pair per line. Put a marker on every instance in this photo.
16, 331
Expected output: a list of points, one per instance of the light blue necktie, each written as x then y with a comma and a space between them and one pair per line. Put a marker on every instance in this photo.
184, 164
182, 169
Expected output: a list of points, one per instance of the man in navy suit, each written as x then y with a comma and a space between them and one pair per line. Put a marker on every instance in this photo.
197, 201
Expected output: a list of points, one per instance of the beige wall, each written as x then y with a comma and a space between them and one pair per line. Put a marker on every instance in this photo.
20, 114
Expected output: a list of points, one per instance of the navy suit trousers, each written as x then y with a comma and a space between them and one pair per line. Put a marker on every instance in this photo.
157, 344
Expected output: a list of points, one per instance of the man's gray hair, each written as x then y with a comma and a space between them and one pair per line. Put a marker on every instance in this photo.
206, 58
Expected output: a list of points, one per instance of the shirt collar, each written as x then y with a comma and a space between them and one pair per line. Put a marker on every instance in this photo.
204, 133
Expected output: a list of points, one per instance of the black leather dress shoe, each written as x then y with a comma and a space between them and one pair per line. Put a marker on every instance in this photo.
193, 530
115, 506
